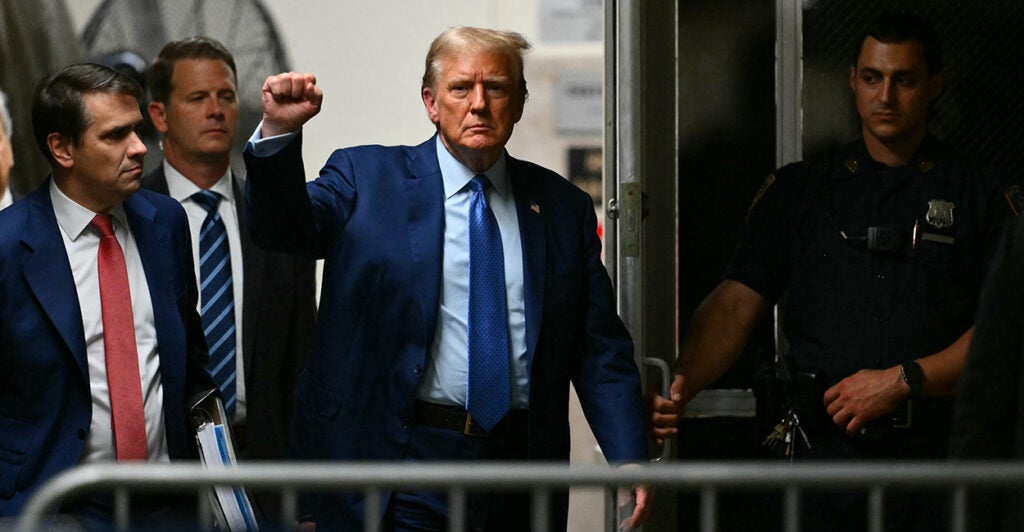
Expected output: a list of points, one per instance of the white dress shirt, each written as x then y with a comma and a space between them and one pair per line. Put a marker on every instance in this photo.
82, 243
7, 200
180, 188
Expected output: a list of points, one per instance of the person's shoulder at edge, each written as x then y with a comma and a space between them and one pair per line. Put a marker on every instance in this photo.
991, 182
13, 220
791, 180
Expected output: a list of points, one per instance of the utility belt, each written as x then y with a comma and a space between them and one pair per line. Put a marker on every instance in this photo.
801, 419
806, 396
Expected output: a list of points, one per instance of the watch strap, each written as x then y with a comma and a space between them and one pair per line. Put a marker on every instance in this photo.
913, 375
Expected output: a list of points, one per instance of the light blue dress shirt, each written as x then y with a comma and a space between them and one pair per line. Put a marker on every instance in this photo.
446, 378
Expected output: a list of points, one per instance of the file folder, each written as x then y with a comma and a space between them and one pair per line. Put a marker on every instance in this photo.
231, 505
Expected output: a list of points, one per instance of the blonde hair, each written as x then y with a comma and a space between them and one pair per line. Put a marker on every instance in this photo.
460, 39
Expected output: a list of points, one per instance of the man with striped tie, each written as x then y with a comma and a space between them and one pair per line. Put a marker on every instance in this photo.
195, 107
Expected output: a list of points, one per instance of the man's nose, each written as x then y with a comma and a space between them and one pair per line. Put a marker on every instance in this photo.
136, 148
215, 108
887, 93
478, 100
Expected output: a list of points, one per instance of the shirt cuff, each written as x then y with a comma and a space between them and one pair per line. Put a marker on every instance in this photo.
265, 147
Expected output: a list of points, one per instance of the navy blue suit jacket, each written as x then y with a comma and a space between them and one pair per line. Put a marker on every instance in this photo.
376, 215
45, 401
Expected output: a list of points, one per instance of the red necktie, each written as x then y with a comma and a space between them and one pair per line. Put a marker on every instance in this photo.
127, 416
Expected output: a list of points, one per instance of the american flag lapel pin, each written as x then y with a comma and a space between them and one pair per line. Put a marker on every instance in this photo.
534, 207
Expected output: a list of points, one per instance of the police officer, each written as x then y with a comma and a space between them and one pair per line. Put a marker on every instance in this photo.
881, 248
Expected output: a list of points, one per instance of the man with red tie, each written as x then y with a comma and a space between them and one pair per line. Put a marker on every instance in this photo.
100, 343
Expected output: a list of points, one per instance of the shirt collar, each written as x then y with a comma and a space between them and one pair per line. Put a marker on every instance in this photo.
73, 218
857, 160
181, 188
8, 199
457, 175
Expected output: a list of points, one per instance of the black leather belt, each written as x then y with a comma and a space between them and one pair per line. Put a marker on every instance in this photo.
449, 417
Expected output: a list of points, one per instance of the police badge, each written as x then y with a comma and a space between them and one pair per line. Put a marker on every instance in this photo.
940, 213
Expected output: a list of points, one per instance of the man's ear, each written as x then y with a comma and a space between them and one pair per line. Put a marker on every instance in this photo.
158, 115
62, 149
520, 105
430, 102
853, 78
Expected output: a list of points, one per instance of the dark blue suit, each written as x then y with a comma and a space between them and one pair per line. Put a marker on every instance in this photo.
45, 401
376, 215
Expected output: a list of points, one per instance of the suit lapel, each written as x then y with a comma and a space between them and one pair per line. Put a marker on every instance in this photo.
425, 196
424, 191
530, 206
48, 273
153, 241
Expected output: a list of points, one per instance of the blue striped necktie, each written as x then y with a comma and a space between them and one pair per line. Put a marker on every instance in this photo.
489, 395
217, 296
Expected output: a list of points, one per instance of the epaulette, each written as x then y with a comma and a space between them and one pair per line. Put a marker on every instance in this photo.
1015, 197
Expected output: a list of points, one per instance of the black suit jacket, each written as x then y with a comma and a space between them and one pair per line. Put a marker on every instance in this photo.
278, 318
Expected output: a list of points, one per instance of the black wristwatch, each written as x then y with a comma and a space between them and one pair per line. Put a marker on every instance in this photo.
913, 375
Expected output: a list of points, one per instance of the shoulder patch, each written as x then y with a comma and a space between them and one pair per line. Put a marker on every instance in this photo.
768, 182
1015, 197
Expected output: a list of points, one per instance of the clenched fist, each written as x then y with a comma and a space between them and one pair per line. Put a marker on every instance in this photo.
289, 101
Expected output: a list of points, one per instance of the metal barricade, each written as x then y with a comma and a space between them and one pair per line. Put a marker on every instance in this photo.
539, 478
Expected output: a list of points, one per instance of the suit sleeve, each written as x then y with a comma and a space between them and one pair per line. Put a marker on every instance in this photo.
288, 215
607, 380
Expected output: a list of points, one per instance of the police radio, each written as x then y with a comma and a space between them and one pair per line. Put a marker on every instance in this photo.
879, 239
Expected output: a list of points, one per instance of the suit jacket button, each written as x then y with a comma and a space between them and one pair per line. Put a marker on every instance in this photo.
81, 434
418, 369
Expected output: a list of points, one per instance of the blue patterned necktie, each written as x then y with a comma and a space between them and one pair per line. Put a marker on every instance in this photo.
217, 296
489, 385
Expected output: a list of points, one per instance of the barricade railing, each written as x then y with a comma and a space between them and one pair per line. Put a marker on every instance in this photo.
708, 478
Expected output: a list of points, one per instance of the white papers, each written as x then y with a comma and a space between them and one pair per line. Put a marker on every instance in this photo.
230, 503
233, 509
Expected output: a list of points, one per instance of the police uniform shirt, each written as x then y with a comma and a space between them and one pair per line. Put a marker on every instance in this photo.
849, 308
